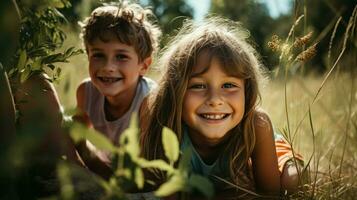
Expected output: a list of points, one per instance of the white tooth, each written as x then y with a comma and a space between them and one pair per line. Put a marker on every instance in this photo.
219, 116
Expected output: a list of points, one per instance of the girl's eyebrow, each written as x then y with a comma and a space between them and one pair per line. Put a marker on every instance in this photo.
193, 75
196, 75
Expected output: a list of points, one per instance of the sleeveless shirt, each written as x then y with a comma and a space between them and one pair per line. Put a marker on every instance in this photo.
219, 168
94, 107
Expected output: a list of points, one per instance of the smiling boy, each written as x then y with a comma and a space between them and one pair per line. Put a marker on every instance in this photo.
119, 42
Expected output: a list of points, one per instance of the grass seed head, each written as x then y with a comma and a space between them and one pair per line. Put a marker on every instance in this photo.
303, 40
307, 54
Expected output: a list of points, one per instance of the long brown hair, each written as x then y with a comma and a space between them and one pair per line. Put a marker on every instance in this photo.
227, 41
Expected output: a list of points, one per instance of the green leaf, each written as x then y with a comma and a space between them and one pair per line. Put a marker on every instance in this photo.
12, 72
157, 164
79, 132
130, 138
123, 172
139, 177
202, 184
67, 190
171, 144
184, 165
25, 74
36, 65
22, 60
56, 4
175, 184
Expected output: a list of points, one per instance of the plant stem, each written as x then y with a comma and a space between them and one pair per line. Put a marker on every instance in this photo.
17, 9
8, 86
348, 123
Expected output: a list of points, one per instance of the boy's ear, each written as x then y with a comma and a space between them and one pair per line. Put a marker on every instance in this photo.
145, 65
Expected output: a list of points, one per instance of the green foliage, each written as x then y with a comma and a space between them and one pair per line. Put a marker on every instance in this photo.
67, 190
171, 145
80, 132
40, 38
179, 179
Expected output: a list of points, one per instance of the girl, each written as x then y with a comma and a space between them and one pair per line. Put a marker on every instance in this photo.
209, 97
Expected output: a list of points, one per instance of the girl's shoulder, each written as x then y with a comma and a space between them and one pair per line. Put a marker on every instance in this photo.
262, 119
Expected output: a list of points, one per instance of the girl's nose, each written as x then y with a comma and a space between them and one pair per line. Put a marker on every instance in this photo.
215, 98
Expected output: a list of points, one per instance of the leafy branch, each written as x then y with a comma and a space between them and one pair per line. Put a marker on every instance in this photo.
179, 179
40, 38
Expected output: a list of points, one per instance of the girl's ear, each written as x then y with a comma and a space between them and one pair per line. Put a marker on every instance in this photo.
145, 64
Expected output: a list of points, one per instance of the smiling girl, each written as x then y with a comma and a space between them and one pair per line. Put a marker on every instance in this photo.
209, 97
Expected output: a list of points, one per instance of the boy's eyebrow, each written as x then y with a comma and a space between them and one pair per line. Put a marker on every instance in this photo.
121, 50
95, 49
100, 49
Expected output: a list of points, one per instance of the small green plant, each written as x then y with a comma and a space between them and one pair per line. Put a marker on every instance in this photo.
180, 179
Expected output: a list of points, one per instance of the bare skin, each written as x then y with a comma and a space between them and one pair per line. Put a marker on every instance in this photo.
39, 108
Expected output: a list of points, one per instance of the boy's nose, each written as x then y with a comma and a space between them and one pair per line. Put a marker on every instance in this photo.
109, 66
214, 98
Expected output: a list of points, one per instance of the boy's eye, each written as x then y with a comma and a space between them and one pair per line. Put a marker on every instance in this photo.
98, 55
197, 86
229, 85
121, 57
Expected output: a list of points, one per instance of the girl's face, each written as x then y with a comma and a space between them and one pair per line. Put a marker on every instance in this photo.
213, 102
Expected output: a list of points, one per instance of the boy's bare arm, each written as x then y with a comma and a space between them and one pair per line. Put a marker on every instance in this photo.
81, 115
89, 156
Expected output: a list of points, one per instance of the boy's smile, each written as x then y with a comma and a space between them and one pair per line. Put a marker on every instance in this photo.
115, 68
213, 102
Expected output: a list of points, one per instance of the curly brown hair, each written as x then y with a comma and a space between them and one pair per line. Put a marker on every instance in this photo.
129, 22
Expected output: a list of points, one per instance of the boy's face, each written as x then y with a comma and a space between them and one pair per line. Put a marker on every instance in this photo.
114, 67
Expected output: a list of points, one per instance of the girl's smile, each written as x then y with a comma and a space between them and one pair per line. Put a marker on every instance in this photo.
213, 116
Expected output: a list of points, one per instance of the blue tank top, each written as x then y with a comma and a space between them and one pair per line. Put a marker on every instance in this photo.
219, 168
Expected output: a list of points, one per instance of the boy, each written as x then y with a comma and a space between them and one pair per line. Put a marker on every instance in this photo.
119, 42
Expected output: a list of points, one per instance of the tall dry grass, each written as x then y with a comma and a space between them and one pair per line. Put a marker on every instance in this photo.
318, 114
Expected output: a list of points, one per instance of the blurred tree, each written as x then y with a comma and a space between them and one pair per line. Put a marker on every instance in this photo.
9, 26
254, 16
170, 14
81, 9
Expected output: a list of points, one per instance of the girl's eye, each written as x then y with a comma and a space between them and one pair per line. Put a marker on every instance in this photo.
197, 86
229, 85
121, 57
